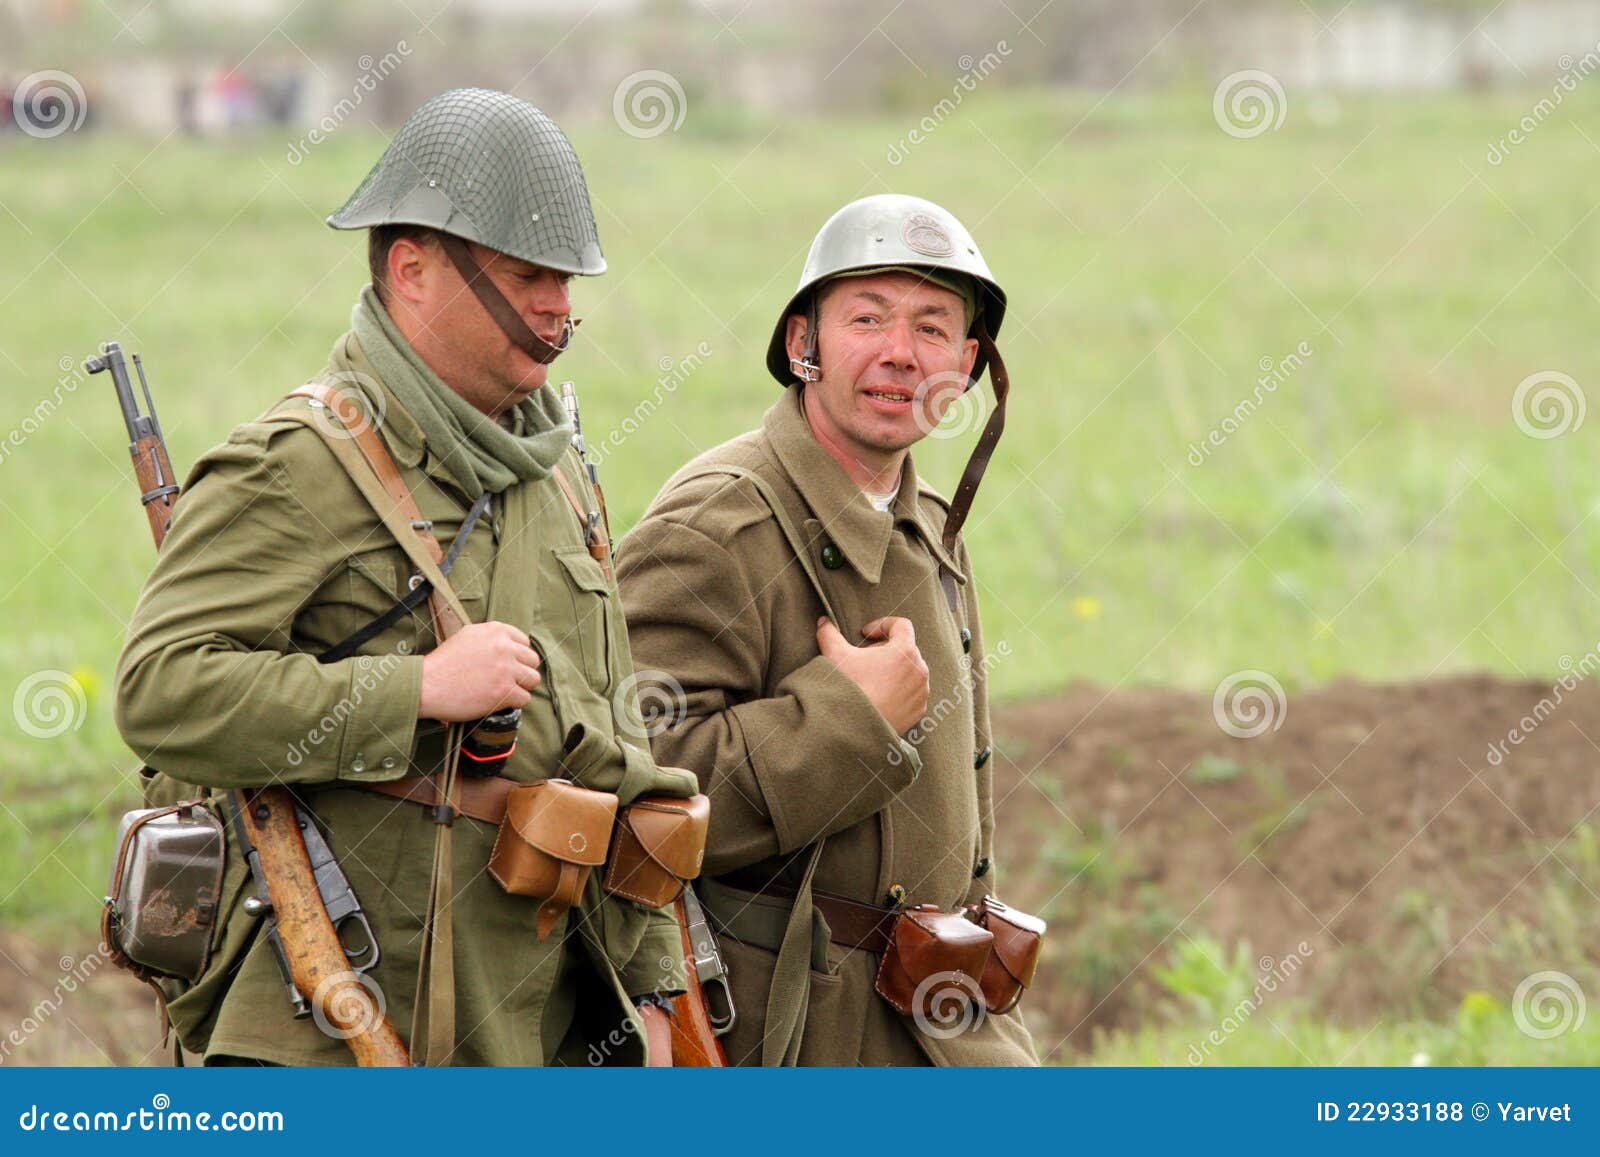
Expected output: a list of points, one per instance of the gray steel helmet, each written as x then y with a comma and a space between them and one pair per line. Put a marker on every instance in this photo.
488, 167
891, 229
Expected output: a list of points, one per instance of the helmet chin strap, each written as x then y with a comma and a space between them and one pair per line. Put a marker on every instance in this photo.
805, 367
501, 310
967, 489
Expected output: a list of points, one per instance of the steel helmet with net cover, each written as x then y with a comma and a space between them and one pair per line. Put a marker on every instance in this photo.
890, 231
486, 167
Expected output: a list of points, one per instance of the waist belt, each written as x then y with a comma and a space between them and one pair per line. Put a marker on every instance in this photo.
758, 915
483, 797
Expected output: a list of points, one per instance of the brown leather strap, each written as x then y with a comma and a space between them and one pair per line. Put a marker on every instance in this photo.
967, 489
483, 797
599, 549
851, 924
376, 454
502, 311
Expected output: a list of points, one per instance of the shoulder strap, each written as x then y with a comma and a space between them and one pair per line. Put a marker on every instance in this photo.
362, 453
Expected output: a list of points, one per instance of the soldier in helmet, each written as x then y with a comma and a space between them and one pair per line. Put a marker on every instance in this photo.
808, 600
279, 640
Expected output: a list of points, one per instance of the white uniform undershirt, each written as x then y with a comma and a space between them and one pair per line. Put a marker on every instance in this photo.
882, 502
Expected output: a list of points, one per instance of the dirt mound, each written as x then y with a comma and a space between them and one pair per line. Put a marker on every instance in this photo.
1376, 824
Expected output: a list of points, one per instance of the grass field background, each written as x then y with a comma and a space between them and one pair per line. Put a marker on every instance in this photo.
1381, 515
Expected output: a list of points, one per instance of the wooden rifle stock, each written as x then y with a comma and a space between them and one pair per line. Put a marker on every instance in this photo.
694, 1042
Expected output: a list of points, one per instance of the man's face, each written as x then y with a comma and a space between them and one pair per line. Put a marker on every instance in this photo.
894, 354
455, 335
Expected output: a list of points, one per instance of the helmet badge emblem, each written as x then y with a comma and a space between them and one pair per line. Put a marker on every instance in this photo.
927, 235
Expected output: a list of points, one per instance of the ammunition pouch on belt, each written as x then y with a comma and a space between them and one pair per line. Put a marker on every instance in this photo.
932, 956
658, 847
1018, 939
553, 835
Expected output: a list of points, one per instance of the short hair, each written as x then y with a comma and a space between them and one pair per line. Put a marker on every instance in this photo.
380, 239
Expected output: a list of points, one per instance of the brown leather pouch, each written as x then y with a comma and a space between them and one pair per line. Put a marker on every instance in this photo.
1018, 938
554, 834
658, 847
932, 957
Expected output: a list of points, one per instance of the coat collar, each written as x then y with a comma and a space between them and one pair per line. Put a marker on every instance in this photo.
847, 516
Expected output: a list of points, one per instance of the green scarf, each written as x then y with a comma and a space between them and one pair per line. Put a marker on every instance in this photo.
480, 453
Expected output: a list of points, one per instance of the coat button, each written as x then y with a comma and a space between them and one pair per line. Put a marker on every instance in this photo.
832, 557
966, 641
981, 868
388, 763
359, 763
897, 895
980, 758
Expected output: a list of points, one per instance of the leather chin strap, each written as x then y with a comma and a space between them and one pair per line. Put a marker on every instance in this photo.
504, 314
961, 504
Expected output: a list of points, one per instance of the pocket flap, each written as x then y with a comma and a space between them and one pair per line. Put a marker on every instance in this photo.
929, 941
563, 820
582, 569
671, 831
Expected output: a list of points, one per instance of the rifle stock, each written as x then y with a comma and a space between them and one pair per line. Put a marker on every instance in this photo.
694, 1039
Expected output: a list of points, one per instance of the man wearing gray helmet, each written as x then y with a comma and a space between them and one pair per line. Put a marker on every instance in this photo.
305, 627
805, 608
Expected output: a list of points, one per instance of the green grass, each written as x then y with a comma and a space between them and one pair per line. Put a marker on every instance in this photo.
1381, 515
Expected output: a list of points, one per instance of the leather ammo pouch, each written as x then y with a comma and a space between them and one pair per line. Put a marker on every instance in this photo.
166, 881
553, 835
1018, 937
932, 955
658, 847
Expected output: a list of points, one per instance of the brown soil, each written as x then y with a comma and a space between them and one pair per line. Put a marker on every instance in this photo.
1371, 825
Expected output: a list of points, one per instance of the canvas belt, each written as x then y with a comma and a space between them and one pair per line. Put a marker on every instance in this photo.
758, 915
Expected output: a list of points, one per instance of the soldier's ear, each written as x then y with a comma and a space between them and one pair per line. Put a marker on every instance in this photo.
969, 355
794, 337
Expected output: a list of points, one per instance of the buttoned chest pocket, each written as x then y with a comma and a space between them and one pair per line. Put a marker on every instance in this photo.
580, 586
369, 586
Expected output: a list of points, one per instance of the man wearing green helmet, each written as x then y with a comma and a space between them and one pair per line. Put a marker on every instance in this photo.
282, 638
809, 603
